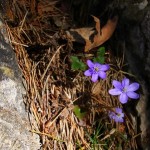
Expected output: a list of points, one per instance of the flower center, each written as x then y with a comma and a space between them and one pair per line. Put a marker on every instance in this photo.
96, 69
124, 90
118, 115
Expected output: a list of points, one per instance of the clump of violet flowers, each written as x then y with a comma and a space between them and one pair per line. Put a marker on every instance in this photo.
123, 89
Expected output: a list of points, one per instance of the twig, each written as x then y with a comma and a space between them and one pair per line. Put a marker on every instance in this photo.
50, 62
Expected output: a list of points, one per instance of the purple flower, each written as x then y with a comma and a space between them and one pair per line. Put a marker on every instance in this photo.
117, 115
96, 70
124, 90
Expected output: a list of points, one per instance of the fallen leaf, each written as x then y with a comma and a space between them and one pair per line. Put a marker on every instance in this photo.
102, 34
84, 35
80, 35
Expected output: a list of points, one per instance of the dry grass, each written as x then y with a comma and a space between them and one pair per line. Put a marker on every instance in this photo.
53, 88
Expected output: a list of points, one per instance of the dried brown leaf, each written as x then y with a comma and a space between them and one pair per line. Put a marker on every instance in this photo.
102, 34
83, 35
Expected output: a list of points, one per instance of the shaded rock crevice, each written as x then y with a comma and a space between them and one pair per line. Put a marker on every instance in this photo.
14, 122
134, 30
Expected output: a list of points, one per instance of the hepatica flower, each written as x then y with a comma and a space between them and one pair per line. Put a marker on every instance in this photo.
117, 115
124, 90
96, 70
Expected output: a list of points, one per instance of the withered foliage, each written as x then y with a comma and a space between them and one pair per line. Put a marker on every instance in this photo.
53, 88
100, 35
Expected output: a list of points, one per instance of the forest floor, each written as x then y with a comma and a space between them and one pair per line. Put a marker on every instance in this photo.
67, 110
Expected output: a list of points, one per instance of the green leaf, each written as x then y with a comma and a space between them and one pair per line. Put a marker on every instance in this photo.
101, 51
78, 113
100, 55
100, 60
77, 64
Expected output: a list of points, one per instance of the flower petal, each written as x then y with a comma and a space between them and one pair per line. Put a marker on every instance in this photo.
94, 77
115, 92
97, 64
119, 119
102, 74
111, 115
133, 87
90, 63
104, 67
118, 110
125, 82
117, 84
133, 95
123, 98
88, 73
